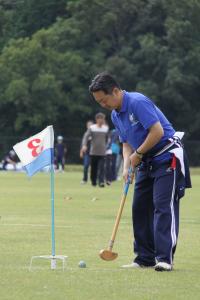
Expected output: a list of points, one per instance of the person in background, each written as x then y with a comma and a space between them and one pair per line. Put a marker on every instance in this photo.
11, 159
108, 161
119, 163
98, 133
86, 155
60, 152
115, 147
112, 151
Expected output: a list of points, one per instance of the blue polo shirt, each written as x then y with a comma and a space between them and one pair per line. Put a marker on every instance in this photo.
137, 114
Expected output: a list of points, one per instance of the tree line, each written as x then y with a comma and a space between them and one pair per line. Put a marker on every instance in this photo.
50, 50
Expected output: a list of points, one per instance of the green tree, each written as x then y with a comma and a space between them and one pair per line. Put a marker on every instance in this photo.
150, 45
5, 26
32, 15
181, 83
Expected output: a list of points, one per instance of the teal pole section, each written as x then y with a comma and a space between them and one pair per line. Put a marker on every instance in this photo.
52, 211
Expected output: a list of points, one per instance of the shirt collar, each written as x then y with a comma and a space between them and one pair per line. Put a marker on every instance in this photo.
124, 103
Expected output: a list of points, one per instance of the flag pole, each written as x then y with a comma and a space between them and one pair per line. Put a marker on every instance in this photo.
35, 153
53, 261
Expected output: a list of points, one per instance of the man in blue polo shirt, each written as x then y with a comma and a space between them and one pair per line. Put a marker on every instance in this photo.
151, 144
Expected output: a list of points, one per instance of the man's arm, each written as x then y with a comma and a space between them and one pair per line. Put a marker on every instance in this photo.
127, 151
86, 136
154, 136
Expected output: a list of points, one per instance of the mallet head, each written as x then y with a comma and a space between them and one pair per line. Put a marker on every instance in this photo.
107, 254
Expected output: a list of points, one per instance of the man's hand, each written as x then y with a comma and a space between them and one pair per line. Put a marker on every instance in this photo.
127, 151
81, 153
135, 160
126, 174
84, 149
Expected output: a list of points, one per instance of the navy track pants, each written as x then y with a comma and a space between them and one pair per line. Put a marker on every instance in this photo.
155, 213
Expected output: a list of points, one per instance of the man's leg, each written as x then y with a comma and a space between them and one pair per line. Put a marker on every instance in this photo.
119, 162
114, 158
63, 163
59, 163
108, 168
86, 163
166, 216
176, 213
142, 214
94, 166
101, 170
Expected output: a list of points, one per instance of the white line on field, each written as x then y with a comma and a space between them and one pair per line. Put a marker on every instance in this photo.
35, 225
77, 269
61, 226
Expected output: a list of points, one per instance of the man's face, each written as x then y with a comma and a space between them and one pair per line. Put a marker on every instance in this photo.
108, 101
100, 121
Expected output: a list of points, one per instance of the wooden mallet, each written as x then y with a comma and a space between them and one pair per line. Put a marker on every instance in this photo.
108, 254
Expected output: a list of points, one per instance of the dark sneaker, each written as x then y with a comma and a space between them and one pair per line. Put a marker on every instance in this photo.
101, 184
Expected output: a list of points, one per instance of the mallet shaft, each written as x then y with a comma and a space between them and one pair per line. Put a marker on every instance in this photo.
117, 222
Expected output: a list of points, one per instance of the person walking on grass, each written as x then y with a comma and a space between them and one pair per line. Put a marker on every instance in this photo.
98, 135
112, 151
60, 153
86, 155
150, 145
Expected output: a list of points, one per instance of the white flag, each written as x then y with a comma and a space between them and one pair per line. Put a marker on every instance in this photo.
36, 152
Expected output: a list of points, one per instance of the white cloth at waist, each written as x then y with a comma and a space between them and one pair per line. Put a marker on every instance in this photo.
178, 152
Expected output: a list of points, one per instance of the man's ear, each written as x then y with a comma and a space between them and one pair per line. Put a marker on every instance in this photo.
115, 91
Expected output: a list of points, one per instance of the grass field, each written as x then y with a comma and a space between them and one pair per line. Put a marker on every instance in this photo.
83, 227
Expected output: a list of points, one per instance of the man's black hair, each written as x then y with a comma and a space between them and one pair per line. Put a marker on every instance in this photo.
103, 82
100, 116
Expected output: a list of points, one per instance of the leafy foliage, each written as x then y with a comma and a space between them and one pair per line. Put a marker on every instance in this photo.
54, 48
